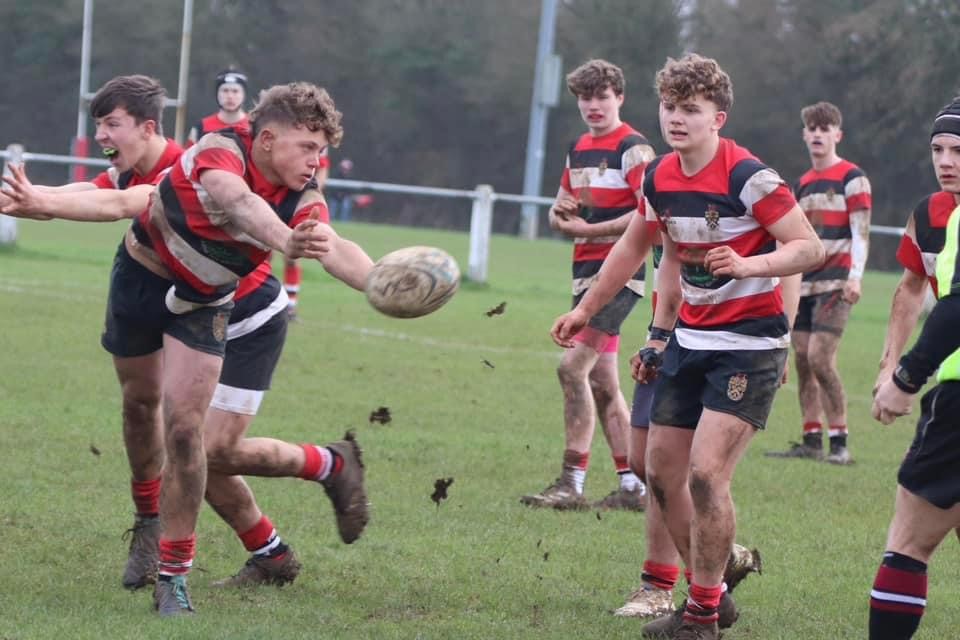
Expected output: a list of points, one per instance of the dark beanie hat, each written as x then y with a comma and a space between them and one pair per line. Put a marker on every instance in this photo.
231, 76
948, 120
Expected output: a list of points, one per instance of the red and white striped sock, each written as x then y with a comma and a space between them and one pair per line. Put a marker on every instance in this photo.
320, 463
176, 556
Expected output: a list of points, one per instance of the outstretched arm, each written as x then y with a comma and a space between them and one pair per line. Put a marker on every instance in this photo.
348, 262
22, 199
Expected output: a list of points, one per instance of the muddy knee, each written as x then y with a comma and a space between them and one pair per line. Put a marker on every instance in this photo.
701, 491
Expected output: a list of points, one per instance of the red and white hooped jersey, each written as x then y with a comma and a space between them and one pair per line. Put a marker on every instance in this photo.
192, 235
604, 173
729, 202
828, 197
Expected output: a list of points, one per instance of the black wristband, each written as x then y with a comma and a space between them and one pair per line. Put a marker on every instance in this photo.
656, 333
904, 381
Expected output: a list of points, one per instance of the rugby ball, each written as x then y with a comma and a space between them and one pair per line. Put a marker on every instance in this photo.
412, 282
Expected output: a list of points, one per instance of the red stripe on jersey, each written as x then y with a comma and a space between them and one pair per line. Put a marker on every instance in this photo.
859, 202
909, 256
252, 281
761, 305
172, 263
606, 198
304, 213
837, 261
829, 218
774, 206
103, 181
591, 251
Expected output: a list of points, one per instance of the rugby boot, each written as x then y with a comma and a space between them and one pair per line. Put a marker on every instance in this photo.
623, 500
798, 450
741, 563
560, 496
839, 455
647, 602
144, 553
696, 631
170, 597
346, 489
669, 625
262, 570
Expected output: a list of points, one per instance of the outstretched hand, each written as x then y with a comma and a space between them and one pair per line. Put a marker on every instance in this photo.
311, 238
20, 199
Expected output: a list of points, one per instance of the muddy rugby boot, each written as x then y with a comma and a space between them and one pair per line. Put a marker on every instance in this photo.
623, 500
346, 489
839, 455
170, 597
144, 553
647, 602
669, 625
798, 450
560, 496
741, 563
262, 570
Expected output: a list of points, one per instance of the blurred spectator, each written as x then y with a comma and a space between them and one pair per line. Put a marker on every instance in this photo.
340, 201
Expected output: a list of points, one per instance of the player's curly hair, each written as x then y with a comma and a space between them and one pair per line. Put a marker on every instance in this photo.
593, 77
298, 104
694, 75
821, 114
140, 96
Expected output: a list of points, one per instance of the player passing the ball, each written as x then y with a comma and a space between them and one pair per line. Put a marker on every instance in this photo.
730, 229
175, 332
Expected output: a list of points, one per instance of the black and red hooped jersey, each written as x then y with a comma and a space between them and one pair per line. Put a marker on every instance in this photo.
925, 235
828, 197
191, 233
604, 173
729, 202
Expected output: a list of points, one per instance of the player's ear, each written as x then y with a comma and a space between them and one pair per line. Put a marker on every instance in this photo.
149, 127
267, 137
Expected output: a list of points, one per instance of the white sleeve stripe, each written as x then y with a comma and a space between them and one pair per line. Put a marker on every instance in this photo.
759, 186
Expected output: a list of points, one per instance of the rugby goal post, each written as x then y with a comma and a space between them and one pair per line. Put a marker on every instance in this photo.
8, 225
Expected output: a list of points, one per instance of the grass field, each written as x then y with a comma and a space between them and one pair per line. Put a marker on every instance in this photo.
478, 566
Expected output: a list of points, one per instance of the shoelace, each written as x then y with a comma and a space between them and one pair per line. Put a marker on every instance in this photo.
180, 593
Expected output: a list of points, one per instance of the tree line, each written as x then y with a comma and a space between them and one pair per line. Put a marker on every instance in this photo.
437, 92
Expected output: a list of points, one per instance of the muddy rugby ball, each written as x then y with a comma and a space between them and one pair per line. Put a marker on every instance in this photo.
412, 282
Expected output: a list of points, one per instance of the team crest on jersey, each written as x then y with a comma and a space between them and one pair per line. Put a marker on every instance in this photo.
602, 168
712, 216
831, 193
220, 326
737, 386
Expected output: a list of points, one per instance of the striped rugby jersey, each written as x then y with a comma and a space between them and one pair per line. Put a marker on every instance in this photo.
925, 234
604, 173
193, 236
729, 202
828, 198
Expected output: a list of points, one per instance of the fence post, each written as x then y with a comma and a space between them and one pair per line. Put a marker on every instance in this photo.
481, 220
8, 225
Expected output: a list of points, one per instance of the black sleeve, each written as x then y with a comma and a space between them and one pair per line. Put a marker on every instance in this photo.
937, 341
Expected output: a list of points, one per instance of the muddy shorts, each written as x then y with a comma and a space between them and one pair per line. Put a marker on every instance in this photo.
609, 318
741, 383
823, 312
252, 357
640, 410
137, 315
931, 468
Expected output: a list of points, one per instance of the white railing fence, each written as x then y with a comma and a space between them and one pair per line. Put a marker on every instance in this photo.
483, 198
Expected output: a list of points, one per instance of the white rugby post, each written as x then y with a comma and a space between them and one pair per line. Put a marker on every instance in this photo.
8, 225
481, 221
